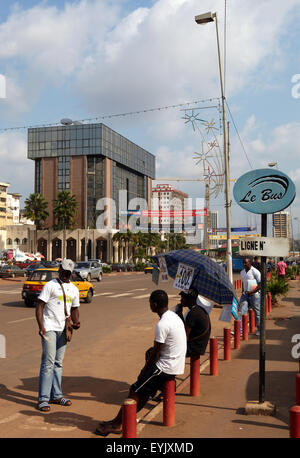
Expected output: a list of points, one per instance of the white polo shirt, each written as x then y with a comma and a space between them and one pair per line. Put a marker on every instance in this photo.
170, 331
252, 274
54, 310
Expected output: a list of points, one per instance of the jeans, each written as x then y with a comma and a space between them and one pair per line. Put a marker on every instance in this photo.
51, 366
252, 302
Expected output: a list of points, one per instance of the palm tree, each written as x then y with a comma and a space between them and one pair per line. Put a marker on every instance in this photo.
35, 210
64, 210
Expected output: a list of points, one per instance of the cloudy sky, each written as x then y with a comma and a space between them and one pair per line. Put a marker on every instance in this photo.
90, 59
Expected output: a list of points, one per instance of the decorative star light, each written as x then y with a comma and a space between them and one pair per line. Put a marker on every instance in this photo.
192, 118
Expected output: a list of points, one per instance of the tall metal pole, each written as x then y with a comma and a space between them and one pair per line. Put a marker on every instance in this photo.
226, 165
262, 340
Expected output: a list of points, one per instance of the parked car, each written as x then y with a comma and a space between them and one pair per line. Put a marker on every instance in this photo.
118, 267
89, 270
129, 267
34, 285
32, 267
96, 260
11, 270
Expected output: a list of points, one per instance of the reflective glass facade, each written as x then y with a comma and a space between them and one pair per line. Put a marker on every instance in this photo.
131, 165
89, 139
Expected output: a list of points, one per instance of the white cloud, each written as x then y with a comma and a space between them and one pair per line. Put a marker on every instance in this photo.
16, 169
153, 56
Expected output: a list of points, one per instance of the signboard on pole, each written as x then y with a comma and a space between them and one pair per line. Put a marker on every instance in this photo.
264, 191
264, 246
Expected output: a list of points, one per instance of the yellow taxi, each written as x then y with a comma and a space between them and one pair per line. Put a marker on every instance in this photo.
149, 268
34, 285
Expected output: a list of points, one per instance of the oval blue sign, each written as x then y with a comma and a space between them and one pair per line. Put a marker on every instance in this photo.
264, 191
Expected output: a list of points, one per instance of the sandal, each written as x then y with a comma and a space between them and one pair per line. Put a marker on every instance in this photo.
106, 427
62, 402
43, 406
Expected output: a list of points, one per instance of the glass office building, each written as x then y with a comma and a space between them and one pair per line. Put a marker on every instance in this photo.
91, 161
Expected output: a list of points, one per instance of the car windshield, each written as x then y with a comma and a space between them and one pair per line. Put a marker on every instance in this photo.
81, 265
43, 275
76, 277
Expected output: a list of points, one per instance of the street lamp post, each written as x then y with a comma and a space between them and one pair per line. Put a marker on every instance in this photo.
204, 19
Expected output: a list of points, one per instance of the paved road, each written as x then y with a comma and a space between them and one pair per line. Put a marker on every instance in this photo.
101, 362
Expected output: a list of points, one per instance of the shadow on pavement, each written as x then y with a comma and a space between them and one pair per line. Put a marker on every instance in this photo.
61, 421
101, 390
15, 304
279, 390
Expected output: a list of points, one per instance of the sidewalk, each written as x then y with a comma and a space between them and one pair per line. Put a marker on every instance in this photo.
219, 410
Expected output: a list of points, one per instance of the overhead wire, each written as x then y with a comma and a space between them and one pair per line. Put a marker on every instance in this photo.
109, 116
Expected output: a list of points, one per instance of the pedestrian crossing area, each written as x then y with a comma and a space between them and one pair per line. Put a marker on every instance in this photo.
133, 294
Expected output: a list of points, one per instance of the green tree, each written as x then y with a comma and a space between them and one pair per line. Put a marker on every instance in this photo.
64, 210
35, 210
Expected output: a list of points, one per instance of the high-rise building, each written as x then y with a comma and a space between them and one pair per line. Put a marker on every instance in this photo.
281, 224
91, 161
5, 217
213, 216
168, 199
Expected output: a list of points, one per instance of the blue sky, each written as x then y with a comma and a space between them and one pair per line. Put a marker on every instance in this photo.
89, 58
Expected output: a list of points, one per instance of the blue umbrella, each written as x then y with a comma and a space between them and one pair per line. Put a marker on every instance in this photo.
210, 278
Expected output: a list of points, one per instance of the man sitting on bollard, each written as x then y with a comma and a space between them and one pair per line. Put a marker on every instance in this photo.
250, 297
197, 322
164, 360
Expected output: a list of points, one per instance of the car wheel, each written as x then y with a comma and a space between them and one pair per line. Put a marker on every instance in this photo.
89, 296
99, 277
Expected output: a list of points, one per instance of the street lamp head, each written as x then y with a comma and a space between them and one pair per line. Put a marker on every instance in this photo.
272, 164
205, 18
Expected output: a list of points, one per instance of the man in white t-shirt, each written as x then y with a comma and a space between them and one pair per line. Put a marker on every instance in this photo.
164, 360
250, 298
51, 318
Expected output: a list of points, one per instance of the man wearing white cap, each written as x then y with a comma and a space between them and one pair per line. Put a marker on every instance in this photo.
58, 299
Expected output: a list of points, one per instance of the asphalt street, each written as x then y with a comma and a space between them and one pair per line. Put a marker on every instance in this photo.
101, 362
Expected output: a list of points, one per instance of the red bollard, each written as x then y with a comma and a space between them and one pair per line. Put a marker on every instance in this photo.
270, 302
195, 376
252, 321
295, 422
237, 334
241, 284
169, 403
214, 356
129, 418
227, 344
298, 389
245, 327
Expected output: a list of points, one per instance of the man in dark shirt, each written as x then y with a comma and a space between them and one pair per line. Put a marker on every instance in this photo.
197, 323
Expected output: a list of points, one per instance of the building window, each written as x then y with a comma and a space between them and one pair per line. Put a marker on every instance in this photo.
17, 241
24, 241
38, 176
63, 173
9, 241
